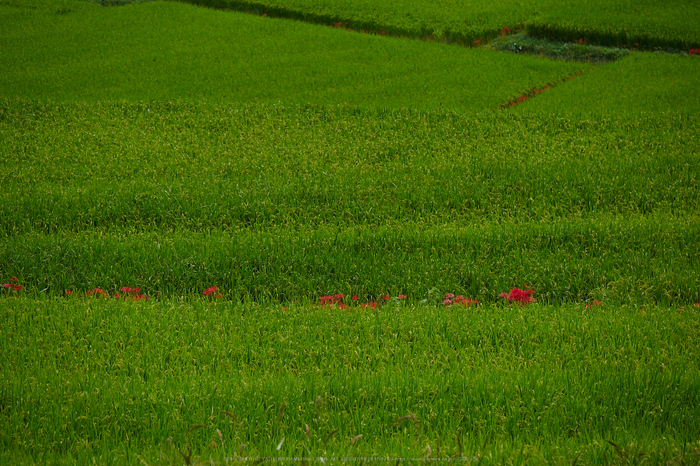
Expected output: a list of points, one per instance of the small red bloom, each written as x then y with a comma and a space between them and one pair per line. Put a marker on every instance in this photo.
447, 301
218, 295
69, 292
580, 41
17, 287
402, 296
116, 295
518, 295
449, 295
209, 290
126, 289
355, 298
13, 279
596, 303
7, 285
386, 298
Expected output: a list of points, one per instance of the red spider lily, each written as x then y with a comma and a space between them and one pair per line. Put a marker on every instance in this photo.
355, 298
13, 279
69, 292
96, 292
209, 290
373, 305
401, 296
465, 301
7, 285
327, 299
219, 295
580, 41
693, 52
447, 301
520, 296
386, 298
477, 42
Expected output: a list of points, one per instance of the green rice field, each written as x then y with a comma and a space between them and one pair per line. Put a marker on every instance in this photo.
349, 232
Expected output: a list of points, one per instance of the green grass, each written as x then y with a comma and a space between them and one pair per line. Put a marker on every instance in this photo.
173, 148
174, 51
164, 166
643, 83
618, 23
274, 203
80, 376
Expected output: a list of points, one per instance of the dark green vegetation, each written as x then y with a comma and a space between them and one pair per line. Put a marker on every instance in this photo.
531, 384
173, 148
522, 43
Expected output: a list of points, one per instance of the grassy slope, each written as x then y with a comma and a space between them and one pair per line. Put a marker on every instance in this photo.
541, 383
174, 51
646, 22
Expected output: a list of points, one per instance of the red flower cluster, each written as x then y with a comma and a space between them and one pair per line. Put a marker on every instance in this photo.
451, 299
519, 296
97, 292
326, 301
589, 306
693, 52
505, 31
133, 294
210, 291
12, 286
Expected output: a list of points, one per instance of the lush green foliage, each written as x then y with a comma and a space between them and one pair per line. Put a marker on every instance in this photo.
174, 51
648, 23
522, 43
81, 375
